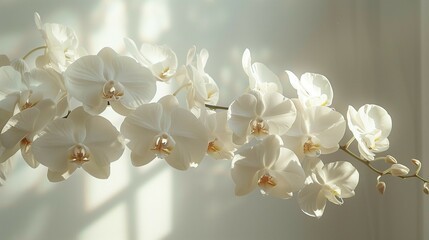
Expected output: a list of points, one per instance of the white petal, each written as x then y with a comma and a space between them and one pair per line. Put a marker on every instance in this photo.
10, 81
264, 75
95, 170
139, 84
132, 48
343, 175
381, 118
28, 156
19, 126
280, 113
317, 86
4, 60
245, 179
191, 54
103, 140
311, 201
289, 171
52, 148
191, 139
240, 113
7, 108
38, 21
141, 127
7, 153
140, 160
327, 125
85, 80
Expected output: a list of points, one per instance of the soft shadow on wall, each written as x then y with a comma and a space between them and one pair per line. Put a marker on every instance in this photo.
350, 42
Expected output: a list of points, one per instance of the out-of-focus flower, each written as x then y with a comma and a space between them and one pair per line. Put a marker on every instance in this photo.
165, 130
370, 125
81, 140
107, 77
202, 89
21, 130
332, 182
161, 60
62, 45
261, 78
313, 89
259, 114
268, 165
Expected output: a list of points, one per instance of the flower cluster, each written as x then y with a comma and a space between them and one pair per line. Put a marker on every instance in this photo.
276, 143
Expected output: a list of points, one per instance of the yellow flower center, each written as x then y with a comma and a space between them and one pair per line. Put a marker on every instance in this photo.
266, 181
311, 148
259, 127
163, 145
79, 154
112, 91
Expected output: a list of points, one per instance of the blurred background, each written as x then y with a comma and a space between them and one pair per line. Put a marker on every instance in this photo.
372, 51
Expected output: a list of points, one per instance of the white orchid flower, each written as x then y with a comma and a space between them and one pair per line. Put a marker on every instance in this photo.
258, 114
161, 60
80, 140
313, 89
268, 165
370, 125
317, 130
62, 45
26, 89
107, 77
332, 182
21, 130
220, 136
261, 78
165, 130
202, 89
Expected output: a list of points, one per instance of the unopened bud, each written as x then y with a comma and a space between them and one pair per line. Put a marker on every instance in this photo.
426, 188
381, 187
398, 170
416, 162
390, 159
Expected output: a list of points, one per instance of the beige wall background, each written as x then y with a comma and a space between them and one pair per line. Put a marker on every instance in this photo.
373, 51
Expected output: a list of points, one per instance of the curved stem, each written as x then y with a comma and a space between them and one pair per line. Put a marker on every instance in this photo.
345, 148
214, 107
33, 50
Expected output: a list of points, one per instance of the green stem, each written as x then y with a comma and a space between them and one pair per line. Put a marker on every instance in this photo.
214, 107
33, 50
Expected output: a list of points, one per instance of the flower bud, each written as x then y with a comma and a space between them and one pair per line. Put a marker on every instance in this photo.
381, 187
398, 170
426, 188
390, 159
416, 162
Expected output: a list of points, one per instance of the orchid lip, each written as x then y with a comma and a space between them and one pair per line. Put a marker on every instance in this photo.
79, 154
112, 90
163, 145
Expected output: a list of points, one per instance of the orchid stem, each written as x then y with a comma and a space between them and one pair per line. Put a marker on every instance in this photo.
214, 107
32, 51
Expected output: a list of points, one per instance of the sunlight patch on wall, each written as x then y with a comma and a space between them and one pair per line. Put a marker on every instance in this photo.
112, 225
110, 18
98, 192
155, 19
154, 206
